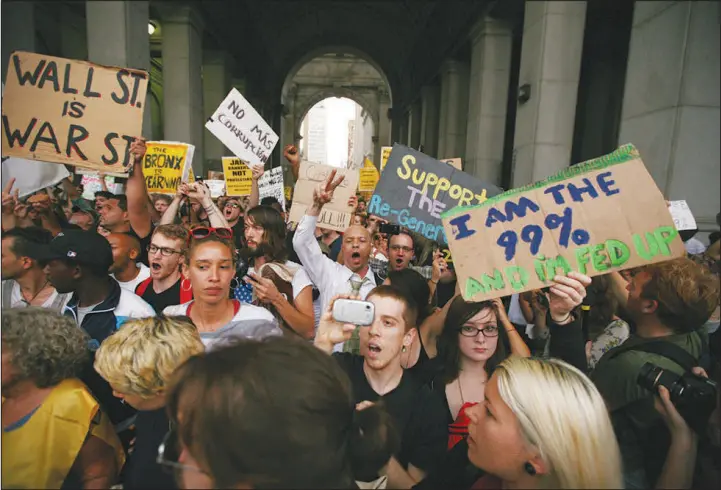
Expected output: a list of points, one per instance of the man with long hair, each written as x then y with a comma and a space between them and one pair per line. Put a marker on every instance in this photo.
274, 281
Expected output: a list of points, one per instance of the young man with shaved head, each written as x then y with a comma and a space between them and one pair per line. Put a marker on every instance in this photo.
125, 269
331, 278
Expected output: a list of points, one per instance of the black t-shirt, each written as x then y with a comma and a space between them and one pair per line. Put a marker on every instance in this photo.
292, 256
418, 415
144, 242
142, 469
159, 301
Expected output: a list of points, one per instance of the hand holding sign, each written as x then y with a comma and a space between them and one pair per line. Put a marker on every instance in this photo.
9, 200
566, 293
138, 149
323, 193
258, 171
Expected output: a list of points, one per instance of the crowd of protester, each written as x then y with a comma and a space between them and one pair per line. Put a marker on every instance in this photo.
156, 341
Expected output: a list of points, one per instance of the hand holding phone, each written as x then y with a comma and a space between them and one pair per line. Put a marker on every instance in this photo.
353, 311
389, 229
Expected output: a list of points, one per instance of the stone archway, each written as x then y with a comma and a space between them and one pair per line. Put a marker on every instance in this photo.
336, 71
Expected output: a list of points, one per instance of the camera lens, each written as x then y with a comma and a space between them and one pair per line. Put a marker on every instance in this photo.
368, 307
648, 375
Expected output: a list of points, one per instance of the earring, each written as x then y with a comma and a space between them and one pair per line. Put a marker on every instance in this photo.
237, 283
403, 349
529, 469
183, 283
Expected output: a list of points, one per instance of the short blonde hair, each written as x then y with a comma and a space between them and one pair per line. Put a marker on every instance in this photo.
562, 415
142, 355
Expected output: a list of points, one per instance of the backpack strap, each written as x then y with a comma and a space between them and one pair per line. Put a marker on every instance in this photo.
143, 286
665, 349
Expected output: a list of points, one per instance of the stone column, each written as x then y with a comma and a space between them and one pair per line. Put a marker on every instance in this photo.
118, 36
182, 79
488, 96
550, 65
73, 34
216, 85
430, 107
671, 101
414, 125
382, 127
18, 30
454, 109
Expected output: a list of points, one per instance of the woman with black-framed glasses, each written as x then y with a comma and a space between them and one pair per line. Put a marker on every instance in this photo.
476, 337
210, 269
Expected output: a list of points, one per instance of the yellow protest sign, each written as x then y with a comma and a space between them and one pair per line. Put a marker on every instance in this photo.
385, 153
368, 177
166, 165
238, 177
288, 193
599, 216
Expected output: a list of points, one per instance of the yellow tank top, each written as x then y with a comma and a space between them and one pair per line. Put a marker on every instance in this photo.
40, 453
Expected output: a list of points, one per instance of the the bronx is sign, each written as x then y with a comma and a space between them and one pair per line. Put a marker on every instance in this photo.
595, 217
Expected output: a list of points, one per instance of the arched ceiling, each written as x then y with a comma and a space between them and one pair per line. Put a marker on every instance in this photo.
407, 39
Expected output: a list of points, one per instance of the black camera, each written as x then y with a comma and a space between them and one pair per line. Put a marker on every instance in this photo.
389, 229
693, 396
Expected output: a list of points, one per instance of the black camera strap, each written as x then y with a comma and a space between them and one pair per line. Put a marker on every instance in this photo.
662, 348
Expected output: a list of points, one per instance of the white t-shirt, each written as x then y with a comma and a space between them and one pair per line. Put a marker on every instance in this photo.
143, 274
250, 322
17, 300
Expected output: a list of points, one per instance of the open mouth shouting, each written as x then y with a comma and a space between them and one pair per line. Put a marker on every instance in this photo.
374, 350
155, 267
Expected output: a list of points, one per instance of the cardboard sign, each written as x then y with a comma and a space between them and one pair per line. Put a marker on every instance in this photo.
682, 216
416, 189
336, 215
595, 217
216, 186
166, 165
239, 127
456, 163
91, 184
238, 177
271, 184
385, 153
72, 112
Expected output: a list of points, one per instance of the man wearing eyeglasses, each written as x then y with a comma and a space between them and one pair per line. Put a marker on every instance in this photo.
166, 253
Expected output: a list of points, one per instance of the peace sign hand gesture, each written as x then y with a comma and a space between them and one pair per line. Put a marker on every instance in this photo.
323, 193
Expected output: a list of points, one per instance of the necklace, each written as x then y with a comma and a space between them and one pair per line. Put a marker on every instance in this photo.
29, 301
460, 388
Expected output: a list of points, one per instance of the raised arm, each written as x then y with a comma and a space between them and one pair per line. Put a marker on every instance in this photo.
518, 346
169, 215
290, 152
330, 332
9, 201
254, 198
320, 268
137, 193
199, 191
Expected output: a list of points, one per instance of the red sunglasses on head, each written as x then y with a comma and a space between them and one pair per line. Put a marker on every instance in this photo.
201, 232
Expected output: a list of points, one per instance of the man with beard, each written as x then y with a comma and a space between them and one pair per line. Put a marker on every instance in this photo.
418, 415
276, 282
331, 278
23, 280
166, 253
125, 269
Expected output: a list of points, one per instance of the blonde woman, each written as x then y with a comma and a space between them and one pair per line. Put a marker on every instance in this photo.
137, 361
543, 424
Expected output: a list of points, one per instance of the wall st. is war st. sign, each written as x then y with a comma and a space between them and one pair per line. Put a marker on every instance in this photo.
72, 112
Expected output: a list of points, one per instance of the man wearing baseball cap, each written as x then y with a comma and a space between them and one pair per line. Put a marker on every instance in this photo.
84, 216
77, 262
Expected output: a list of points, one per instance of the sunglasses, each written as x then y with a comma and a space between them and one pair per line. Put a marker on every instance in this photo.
201, 232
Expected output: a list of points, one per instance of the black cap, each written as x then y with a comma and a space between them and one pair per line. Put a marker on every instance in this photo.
83, 247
